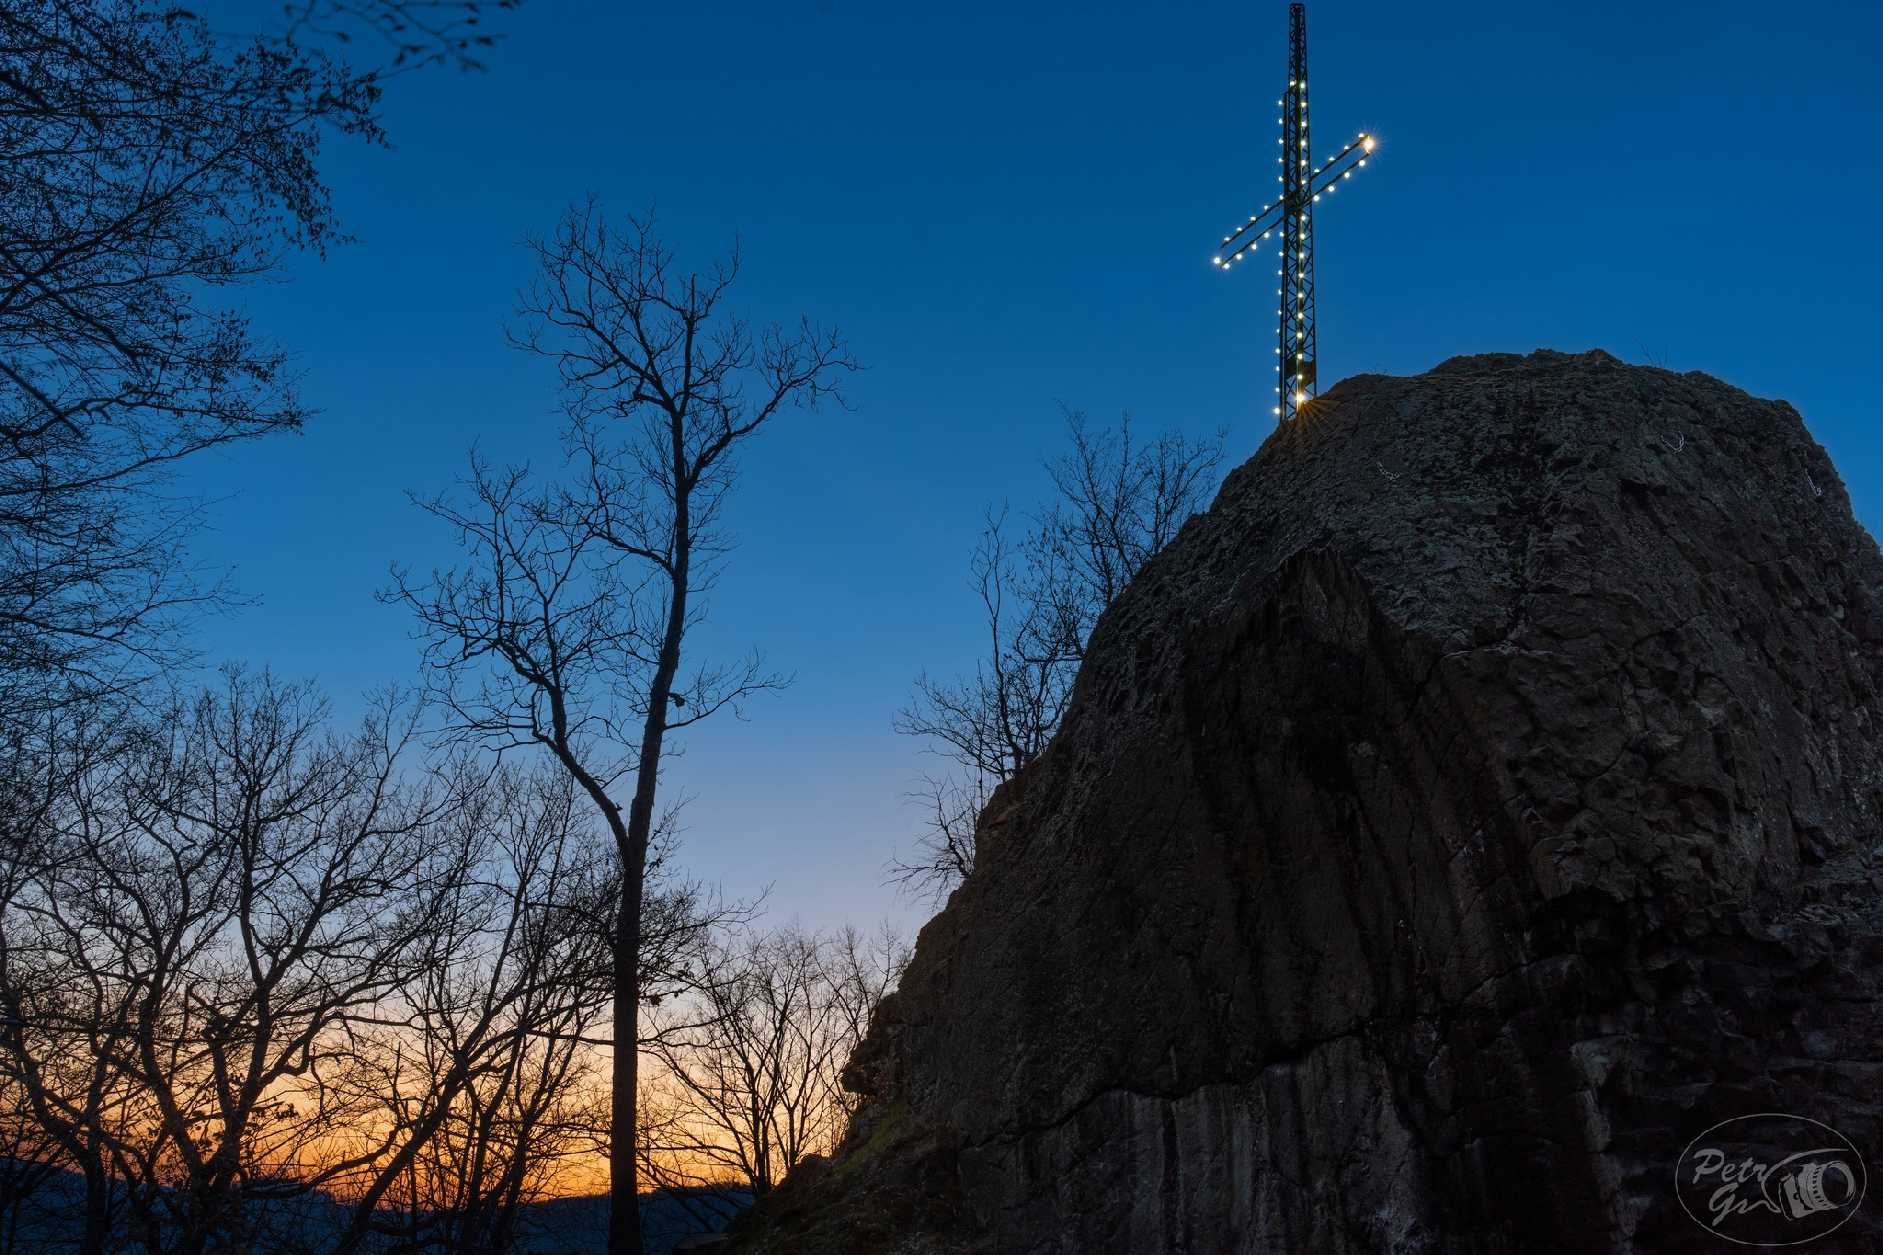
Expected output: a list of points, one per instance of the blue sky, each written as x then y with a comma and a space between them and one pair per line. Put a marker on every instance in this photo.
1007, 208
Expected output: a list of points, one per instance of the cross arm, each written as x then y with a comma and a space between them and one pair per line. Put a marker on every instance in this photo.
1242, 241
1240, 244
1341, 165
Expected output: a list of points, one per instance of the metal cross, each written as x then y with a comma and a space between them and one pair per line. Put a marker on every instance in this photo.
1293, 215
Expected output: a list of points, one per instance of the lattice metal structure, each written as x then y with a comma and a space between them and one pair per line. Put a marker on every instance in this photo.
1296, 344
1302, 186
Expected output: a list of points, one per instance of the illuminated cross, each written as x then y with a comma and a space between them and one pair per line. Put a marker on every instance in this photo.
1293, 215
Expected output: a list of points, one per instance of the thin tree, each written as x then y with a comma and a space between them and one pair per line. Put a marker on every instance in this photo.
751, 1061
524, 952
567, 626
864, 970
526, 974
753, 1075
1116, 504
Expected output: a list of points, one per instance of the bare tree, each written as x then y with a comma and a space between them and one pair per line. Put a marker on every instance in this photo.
751, 1074
750, 1063
30, 1161
246, 959
1117, 504
525, 954
150, 164
865, 970
197, 922
998, 720
71, 1129
534, 951
944, 855
566, 628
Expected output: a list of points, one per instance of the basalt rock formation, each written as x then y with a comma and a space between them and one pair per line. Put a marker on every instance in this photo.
1484, 798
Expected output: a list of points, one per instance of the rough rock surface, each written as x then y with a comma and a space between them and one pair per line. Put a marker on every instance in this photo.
1480, 801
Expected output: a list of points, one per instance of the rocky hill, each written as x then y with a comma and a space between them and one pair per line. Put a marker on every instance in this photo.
1481, 801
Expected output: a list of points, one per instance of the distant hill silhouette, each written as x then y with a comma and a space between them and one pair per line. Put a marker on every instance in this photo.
49, 1220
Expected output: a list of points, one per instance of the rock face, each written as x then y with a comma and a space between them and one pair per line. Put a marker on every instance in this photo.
1481, 801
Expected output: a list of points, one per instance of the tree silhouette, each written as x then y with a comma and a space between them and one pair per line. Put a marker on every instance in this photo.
1116, 505
151, 165
566, 626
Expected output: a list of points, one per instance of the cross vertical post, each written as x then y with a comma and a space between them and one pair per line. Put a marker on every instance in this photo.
1295, 382
1297, 350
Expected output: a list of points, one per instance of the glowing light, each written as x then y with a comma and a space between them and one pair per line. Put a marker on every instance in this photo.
1303, 188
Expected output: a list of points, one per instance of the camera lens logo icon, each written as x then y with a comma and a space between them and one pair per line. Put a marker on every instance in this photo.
1803, 1194
1771, 1179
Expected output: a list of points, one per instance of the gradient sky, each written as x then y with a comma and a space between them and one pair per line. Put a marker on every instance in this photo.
1006, 210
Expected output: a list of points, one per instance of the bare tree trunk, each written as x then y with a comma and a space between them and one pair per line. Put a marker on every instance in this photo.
624, 1201
556, 613
97, 1210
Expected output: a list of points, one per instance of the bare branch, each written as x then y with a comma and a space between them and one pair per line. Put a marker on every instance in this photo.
1117, 505
566, 627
